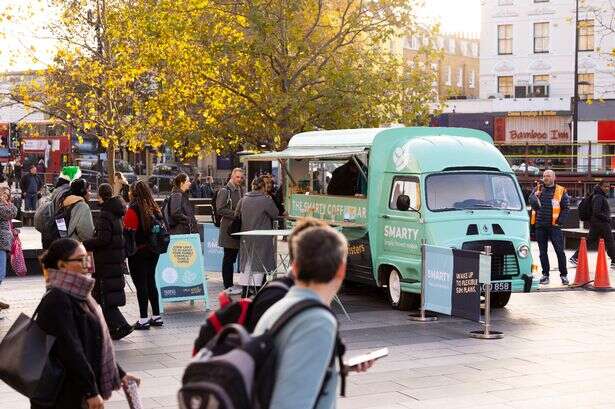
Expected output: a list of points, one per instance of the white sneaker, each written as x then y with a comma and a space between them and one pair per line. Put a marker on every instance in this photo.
234, 290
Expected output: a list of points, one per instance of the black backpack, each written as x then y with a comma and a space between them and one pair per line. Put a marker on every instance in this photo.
216, 218
237, 371
165, 209
245, 312
159, 237
57, 226
585, 208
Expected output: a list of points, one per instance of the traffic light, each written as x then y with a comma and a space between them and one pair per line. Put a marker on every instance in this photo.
14, 136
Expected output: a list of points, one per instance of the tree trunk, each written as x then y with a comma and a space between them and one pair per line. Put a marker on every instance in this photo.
111, 162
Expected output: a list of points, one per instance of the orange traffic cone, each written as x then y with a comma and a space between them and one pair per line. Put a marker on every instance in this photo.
601, 280
582, 276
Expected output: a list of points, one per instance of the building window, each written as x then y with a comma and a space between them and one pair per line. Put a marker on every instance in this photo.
414, 43
586, 86
505, 86
441, 43
472, 79
541, 1
434, 68
464, 48
448, 75
505, 39
451, 46
541, 37
474, 49
460, 77
586, 35
540, 86
506, 2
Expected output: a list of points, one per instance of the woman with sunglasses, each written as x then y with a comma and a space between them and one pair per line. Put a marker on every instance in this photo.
139, 217
83, 345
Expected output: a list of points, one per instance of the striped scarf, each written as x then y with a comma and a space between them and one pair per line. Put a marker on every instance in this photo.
80, 287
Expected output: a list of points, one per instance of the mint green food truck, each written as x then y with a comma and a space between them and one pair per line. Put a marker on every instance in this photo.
391, 190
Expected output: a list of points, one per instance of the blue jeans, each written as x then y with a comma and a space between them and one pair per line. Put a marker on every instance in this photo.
31, 199
2, 265
543, 235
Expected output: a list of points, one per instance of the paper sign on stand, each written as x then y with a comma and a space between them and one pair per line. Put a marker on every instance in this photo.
179, 274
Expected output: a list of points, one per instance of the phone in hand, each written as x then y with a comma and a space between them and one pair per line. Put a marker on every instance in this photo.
372, 356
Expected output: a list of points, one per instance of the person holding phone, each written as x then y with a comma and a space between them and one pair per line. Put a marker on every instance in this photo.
8, 211
83, 345
305, 345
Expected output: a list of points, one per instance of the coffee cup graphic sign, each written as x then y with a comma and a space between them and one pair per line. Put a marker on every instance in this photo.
180, 274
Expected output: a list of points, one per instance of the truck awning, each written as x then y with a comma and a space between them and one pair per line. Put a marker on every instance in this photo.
300, 153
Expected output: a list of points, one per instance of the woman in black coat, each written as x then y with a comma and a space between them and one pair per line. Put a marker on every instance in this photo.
110, 261
181, 217
83, 346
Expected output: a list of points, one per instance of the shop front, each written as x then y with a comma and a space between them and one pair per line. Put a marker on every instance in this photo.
535, 140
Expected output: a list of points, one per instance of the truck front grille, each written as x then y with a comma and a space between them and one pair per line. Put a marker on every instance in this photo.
504, 263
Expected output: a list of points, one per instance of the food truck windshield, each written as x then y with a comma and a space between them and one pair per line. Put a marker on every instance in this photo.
476, 191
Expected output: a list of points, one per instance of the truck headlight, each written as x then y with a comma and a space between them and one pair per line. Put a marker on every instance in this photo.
523, 251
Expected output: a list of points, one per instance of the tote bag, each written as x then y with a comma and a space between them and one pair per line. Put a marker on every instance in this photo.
18, 262
25, 364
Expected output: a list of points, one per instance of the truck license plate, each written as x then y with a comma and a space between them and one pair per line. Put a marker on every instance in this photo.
498, 287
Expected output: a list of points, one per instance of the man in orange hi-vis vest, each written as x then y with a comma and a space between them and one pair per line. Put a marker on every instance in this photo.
549, 209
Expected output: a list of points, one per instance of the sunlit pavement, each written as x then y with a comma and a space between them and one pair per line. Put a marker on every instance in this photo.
557, 351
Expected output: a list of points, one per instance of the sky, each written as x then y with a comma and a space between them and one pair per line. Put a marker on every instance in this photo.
453, 16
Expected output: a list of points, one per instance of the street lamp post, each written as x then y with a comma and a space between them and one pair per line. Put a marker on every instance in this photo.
575, 102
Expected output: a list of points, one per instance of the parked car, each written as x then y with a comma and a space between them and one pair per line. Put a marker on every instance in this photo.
172, 169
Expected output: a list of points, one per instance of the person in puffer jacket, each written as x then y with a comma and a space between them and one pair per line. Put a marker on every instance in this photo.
81, 224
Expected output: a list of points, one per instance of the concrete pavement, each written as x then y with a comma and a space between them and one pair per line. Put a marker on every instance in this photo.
557, 352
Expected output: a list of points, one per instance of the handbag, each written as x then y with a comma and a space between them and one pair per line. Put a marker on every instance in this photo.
235, 226
18, 262
25, 363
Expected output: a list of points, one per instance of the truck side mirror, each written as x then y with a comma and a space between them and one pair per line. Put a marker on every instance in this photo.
403, 203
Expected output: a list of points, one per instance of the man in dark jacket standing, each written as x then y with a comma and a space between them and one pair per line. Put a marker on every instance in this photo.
226, 203
31, 184
549, 204
600, 222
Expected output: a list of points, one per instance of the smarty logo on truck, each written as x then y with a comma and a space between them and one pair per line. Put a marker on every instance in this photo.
391, 190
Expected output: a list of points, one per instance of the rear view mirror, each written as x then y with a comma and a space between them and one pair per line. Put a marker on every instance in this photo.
403, 203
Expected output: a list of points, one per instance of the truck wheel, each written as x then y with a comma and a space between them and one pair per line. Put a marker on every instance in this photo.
399, 299
499, 300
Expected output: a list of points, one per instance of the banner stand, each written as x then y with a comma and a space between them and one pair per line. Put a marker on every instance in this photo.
421, 316
487, 333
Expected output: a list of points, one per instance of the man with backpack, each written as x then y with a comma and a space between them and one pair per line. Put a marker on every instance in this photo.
304, 347
596, 210
549, 204
226, 201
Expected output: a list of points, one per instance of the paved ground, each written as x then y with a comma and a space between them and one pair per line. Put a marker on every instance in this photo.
558, 352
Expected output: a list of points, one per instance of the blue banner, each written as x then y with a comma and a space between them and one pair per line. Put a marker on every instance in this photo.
438, 276
179, 274
212, 253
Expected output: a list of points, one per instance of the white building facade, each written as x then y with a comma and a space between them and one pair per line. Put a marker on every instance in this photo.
527, 49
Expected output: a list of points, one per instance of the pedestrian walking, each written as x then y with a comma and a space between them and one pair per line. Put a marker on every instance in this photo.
196, 187
17, 170
140, 215
600, 222
208, 187
8, 211
110, 261
9, 172
121, 187
31, 185
257, 211
82, 342
81, 225
549, 204
306, 343
226, 203
181, 212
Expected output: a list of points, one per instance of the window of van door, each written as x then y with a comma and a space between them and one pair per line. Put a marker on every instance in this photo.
404, 185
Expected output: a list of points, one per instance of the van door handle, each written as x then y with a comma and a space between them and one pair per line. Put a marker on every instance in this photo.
385, 216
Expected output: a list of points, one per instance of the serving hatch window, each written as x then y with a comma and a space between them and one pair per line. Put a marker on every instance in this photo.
460, 191
337, 177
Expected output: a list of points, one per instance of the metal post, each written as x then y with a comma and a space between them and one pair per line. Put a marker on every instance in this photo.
487, 333
421, 316
589, 159
575, 102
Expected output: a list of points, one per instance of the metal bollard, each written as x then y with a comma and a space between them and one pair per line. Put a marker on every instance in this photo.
421, 316
487, 333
